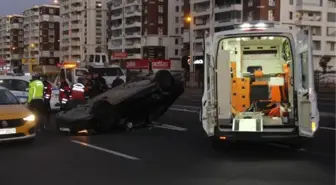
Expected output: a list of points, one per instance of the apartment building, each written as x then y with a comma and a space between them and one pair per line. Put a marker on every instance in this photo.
11, 39
207, 15
142, 30
41, 38
321, 16
83, 28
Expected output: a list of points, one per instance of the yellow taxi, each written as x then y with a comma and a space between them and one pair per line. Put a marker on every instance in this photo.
16, 121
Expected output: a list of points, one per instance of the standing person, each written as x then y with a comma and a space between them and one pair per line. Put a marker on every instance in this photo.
47, 95
35, 100
77, 95
101, 80
117, 81
64, 94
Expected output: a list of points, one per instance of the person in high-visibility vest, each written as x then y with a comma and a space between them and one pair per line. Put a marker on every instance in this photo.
35, 100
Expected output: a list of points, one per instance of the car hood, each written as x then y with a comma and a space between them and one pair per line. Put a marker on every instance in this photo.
13, 112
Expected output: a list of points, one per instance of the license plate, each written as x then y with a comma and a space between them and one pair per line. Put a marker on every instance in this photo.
6, 131
64, 129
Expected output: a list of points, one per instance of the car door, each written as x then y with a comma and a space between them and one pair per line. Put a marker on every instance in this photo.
307, 113
20, 89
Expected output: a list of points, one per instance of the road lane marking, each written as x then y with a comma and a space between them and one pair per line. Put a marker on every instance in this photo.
170, 127
183, 110
105, 150
327, 128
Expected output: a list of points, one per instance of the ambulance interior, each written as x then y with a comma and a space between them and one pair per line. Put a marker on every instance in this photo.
260, 78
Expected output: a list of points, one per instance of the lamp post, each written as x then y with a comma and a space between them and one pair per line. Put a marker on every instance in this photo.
189, 20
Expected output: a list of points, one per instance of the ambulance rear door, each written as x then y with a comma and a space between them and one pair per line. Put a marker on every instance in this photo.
307, 113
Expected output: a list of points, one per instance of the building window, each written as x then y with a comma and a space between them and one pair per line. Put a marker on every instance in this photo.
176, 51
250, 3
176, 41
331, 17
160, 41
160, 20
290, 15
177, 8
271, 2
160, 9
160, 30
176, 31
332, 46
250, 15
291, 2
270, 15
176, 19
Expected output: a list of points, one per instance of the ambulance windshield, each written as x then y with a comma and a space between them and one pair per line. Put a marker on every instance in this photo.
261, 74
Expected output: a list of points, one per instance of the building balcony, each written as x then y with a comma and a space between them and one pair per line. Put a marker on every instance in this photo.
75, 18
133, 13
116, 6
76, 52
302, 7
116, 37
201, 12
132, 2
132, 35
116, 27
133, 24
75, 26
115, 46
75, 35
132, 45
226, 8
116, 17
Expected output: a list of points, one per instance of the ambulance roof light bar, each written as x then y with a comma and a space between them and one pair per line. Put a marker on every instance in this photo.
256, 25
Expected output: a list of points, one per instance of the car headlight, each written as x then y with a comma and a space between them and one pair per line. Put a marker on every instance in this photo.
29, 118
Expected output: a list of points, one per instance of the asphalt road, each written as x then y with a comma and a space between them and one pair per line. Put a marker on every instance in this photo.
174, 152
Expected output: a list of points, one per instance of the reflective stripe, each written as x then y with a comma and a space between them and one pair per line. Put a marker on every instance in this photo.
34, 92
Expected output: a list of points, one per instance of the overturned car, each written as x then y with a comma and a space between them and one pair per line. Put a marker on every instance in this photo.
138, 102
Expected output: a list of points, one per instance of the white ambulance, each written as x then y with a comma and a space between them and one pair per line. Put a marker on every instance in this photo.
259, 85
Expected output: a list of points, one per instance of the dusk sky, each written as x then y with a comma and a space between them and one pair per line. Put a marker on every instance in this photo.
18, 6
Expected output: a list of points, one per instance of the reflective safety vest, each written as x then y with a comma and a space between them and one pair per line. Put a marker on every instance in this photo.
78, 92
36, 90
64, 93
47, 90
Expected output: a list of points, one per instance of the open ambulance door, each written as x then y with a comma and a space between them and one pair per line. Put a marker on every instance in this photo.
205, 114
307, 113
217, 79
